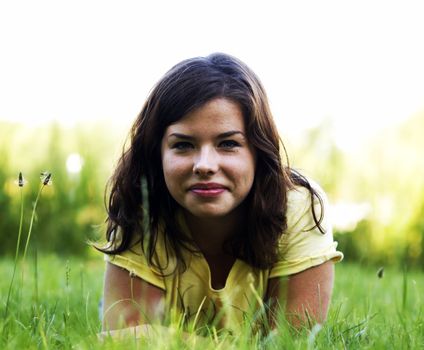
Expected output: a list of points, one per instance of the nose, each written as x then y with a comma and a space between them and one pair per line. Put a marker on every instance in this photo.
206, 162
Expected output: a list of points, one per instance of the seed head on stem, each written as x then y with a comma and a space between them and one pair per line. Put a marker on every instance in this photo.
46, 178
21, 182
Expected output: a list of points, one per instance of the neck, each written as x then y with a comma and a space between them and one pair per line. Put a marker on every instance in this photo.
210, 233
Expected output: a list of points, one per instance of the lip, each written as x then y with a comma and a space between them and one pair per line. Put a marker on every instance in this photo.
209, 189
207, 185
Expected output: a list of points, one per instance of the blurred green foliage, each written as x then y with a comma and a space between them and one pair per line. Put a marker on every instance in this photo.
379, 183
71, 210
383, 178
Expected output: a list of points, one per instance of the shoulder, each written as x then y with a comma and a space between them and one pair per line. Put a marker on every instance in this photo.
303, 238
301, 193
303, 245
151, 265
301, 202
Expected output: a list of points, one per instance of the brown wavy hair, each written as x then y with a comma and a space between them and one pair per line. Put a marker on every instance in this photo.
139, 201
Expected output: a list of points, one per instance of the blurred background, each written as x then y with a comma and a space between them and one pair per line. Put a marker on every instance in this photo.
345, 83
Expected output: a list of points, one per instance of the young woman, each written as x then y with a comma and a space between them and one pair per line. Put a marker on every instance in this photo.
205, 223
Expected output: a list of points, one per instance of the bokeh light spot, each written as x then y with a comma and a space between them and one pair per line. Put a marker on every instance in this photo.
74, 163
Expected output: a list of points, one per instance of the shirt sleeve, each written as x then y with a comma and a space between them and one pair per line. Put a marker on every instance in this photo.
135, 262
303, 245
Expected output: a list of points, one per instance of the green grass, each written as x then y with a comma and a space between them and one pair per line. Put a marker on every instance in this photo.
57, 308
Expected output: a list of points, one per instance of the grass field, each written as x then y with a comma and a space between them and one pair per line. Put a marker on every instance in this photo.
57, 308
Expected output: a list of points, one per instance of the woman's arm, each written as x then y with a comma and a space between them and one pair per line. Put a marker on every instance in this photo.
131, 306
306, 295
128, 300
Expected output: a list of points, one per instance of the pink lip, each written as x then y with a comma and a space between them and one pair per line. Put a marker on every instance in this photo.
209, 189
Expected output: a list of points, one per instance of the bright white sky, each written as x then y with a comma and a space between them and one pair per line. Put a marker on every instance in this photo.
358, 62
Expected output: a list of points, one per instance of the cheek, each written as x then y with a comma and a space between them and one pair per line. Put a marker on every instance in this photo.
250, 168
242, 171
174, 170
250, 176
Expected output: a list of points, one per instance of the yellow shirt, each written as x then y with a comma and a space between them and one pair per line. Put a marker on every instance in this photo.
190, 293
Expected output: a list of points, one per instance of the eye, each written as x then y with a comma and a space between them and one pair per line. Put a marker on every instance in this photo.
182, 146
229, 144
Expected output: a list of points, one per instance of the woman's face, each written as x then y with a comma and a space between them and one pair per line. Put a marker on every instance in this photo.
208, 163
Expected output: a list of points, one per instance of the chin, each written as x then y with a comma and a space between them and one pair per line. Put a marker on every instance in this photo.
209, 213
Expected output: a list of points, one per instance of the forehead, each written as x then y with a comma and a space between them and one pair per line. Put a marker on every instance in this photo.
218, 115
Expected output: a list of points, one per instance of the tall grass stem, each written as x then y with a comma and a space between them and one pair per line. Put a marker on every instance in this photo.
16, 253
32, 222
405, 288
36, 275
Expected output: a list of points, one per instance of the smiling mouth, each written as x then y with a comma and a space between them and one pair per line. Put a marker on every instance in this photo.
208, 190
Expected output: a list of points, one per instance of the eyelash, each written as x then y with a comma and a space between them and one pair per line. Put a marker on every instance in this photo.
182, 146
229, 144
226, 144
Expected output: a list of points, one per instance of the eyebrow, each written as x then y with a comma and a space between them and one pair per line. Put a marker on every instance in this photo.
220, 136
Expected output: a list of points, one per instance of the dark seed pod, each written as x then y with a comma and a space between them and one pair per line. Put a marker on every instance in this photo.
46, 178
20, 180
